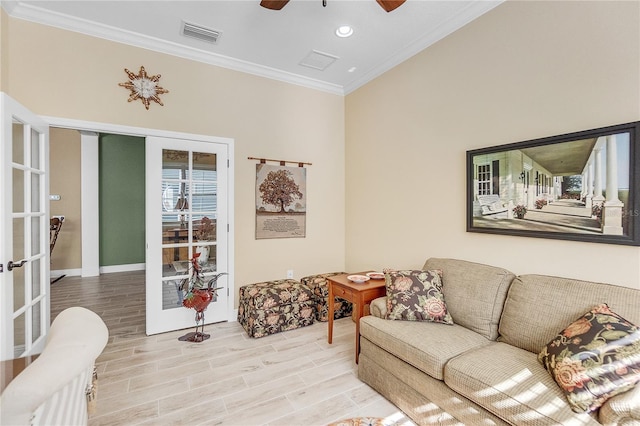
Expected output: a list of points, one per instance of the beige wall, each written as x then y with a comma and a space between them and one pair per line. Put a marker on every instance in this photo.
525, 70
3, 42
64, 164
64, 74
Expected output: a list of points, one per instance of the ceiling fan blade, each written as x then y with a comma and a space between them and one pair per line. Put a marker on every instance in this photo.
390, 5
274, 4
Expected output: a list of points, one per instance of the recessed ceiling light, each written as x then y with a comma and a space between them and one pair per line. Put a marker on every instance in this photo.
352, 69
344, 31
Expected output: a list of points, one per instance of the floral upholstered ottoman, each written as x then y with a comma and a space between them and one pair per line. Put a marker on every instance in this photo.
320, 288
274, 306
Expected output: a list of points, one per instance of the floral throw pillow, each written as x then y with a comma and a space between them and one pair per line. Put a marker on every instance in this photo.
416, 296
595, 358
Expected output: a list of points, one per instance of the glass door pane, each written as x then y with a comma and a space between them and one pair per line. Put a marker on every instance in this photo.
175, 225
19, 335
204, 208
189, 201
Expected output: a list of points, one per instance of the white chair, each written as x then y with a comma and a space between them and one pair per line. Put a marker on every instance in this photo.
54, 389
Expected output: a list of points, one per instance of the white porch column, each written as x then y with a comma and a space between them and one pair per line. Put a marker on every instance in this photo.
612, 170
589, 177
597, 191
559, 181
612, 210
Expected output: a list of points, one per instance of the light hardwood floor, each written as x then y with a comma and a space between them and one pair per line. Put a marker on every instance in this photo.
291, 378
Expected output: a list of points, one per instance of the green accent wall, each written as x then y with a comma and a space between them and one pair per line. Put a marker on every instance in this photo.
121, 199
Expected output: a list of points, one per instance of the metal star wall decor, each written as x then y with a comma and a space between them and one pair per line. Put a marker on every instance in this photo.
144, 87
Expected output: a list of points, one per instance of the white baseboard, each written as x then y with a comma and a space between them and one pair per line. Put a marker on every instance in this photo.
55, 273
235, 316
123, 268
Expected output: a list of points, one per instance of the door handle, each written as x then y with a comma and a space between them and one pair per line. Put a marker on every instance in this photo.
12, 265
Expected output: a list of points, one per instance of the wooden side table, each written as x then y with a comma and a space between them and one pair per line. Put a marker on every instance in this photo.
358, 294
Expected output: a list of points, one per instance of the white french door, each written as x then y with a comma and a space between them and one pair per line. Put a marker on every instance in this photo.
187, 196
24, 224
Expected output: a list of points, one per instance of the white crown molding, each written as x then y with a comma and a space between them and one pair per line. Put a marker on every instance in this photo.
31, 13
473, 11
66, 22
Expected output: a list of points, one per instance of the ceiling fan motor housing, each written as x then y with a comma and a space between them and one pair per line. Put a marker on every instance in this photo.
388, 5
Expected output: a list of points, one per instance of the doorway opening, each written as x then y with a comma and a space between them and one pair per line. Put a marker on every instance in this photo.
121, 204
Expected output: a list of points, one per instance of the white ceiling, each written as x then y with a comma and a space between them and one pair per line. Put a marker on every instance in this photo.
266, 42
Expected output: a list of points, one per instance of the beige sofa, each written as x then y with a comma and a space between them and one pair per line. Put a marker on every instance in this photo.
484, 369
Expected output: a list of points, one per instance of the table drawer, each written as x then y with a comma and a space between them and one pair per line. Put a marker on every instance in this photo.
342, 292
374, 293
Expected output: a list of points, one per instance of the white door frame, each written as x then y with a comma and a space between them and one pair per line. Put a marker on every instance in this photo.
90, 126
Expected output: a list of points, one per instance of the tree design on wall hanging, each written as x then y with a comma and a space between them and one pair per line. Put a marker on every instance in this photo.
281, 199
144, 87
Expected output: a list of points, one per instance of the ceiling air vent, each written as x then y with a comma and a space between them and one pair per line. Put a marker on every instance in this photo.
318, 60
201, 33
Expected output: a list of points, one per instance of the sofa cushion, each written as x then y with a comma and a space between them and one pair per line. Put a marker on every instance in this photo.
621, 409
512, 383
416, 296
595, 357
425, 345
474, 292
563, 300
426, 400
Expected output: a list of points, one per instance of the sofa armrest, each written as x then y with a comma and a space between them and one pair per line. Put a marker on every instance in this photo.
52, 389
378, 307
622, 409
